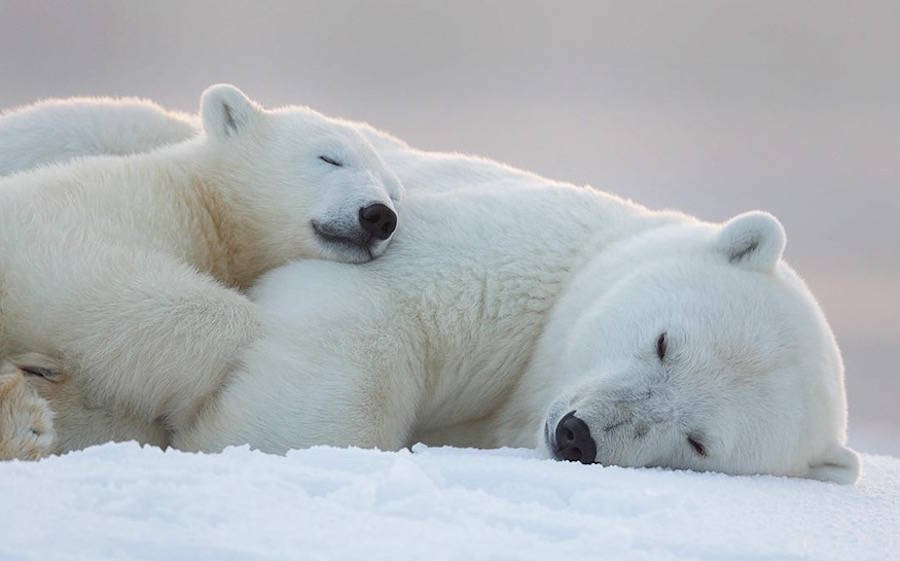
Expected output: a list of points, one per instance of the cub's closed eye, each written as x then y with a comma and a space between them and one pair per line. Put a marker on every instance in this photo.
662, 346
332, 161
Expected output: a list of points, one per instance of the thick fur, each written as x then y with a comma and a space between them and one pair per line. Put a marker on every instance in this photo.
127, 270
56, 130
508, 300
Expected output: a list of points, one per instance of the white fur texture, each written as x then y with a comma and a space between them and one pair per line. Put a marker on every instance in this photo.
508, 300
57, 130
128, 269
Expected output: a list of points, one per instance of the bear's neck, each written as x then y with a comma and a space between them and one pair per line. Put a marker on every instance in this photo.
532, 238
230, 246
237, 256
519, 414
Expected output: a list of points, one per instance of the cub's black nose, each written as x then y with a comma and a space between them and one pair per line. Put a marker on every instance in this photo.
573, 441
378, 220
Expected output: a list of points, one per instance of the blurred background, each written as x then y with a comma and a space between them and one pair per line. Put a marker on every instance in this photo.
712, 107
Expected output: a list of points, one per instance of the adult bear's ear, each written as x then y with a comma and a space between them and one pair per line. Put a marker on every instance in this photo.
840, 465
226, 111
754, 240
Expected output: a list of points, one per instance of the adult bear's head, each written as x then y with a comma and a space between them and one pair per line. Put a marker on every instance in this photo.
316, 186
696, 347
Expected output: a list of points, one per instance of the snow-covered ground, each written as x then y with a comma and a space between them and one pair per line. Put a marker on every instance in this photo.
122, 502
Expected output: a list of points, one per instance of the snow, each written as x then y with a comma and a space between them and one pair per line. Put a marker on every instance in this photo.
122, 502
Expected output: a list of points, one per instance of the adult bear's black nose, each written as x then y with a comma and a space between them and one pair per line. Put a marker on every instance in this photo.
378, 220
573, 440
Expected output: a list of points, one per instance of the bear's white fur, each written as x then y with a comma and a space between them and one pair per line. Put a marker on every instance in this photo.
508, 300
56, 130
128, 270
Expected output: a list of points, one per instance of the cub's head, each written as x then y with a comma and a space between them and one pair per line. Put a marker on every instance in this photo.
317, 186
702, 350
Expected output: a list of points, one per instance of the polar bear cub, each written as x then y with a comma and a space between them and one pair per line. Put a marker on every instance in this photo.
128, 270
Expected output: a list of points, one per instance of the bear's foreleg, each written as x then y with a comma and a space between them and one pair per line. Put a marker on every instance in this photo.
292, 392
146, 334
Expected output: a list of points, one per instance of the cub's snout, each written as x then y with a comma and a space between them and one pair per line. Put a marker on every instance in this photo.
378, 220
364, 235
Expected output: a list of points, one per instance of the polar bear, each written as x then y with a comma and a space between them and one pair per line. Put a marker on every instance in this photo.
128, 270
609, 334
517, 311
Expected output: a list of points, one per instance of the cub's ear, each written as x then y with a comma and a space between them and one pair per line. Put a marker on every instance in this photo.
226, 111
840, 465
754, 240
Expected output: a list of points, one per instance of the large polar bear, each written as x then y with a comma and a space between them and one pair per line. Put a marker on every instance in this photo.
127, 271
516, 311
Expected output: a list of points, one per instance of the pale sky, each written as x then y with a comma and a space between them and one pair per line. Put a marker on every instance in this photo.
712, 108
